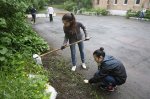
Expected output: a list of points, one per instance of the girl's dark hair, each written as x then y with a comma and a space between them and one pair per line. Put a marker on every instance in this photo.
99, 52
69, 17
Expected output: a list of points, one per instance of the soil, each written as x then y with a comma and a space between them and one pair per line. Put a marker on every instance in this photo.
68, 84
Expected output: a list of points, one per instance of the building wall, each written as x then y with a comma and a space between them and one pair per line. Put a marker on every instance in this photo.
109, 4
101, 4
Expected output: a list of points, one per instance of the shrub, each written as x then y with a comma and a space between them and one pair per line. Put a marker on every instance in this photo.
15, 82
69, 5
131, 13
17, 44
147, 14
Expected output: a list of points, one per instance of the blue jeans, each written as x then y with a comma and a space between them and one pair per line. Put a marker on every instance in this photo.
107, 81
73, 53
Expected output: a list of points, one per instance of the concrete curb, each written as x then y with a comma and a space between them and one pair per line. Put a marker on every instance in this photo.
143, 19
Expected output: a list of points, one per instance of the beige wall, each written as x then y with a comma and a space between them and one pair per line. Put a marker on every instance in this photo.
120, 5
102, 4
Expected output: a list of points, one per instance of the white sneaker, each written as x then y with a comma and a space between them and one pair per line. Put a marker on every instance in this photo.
83, 65
73, 68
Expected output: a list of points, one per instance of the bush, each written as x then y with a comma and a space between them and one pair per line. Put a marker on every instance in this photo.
131, 13
104, 12
98, 11
17, 44
147, 14
69, 5
16, 84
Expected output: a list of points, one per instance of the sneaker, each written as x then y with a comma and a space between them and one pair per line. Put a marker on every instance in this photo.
83, 65
73, 68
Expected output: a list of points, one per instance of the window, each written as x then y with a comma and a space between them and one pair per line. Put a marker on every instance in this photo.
137, 1
98, 2
115, 2
125, 1
107, 1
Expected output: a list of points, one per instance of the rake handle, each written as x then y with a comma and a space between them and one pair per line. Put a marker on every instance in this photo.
65, 47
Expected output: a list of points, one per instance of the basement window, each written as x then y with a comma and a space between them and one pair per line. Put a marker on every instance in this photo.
115, 1
125, 1
137, 1
98, 2
108, 1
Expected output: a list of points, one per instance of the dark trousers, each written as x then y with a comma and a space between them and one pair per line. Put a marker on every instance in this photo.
107, 81
33, 17
51, 17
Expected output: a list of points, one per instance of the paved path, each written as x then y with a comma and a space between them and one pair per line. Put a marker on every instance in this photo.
127, 40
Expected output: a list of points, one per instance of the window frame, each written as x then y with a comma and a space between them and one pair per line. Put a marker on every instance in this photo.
137, 3
115, 2
125, 3
97, 2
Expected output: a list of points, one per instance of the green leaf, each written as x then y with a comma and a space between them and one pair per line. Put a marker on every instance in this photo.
6, 40
2, 58
3, 50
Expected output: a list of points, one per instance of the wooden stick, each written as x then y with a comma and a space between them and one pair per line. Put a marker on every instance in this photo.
65, 47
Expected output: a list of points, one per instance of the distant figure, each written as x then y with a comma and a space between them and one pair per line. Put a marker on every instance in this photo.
142, 13
33, 13
50, 11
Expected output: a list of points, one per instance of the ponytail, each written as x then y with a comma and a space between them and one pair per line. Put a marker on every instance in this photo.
70, 18
99, 52
73, 25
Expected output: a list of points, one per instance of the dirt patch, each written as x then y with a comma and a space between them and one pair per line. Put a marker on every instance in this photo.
69, 85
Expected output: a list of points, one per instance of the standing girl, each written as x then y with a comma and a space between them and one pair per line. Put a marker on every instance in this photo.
73, 34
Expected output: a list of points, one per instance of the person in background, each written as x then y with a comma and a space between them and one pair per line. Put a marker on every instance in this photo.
111, 72
142, 13
33, 13
73, 34
50, 12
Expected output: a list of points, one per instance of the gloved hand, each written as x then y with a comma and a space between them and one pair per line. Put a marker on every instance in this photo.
87, 38
63, 47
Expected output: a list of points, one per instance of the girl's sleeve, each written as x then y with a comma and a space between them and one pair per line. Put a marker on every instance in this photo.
65, 38
84, 29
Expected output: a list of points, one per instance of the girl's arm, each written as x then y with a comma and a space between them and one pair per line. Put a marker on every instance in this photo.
99, 77
84, 29
65, 40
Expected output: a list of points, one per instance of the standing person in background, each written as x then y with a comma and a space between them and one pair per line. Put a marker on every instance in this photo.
73, 34
142, 13
33, 13
50, 12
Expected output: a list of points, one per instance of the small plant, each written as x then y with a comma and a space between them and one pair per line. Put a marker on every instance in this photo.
100, 11
69, 5
131, 13
147, 14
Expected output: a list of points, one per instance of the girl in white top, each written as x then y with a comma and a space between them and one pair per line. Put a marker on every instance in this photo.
50, 11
